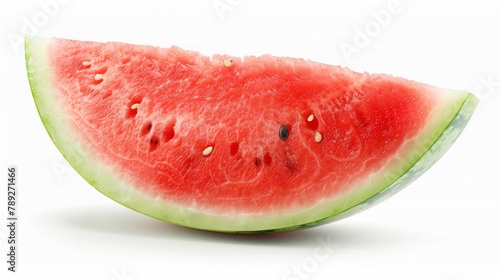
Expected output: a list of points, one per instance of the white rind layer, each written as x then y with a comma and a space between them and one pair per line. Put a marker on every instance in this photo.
445, 124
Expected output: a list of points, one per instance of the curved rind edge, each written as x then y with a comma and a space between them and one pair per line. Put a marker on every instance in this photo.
433, 154
105, 180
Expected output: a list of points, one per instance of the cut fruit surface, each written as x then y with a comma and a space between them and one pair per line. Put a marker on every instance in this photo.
227, 144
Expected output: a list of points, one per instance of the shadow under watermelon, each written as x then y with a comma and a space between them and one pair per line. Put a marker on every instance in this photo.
122, 222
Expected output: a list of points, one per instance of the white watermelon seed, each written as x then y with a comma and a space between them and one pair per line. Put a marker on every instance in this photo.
228, 62
208, 150
310, 118
134, 106
318, 137
98, 77
86, 63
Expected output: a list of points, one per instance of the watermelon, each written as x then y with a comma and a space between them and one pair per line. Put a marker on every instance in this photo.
230, 144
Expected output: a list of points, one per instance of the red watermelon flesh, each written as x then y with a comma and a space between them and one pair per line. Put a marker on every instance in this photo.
230, 144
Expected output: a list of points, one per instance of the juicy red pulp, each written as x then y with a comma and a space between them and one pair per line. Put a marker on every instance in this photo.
187, 102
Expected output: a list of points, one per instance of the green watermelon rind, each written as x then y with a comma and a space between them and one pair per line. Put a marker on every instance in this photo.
444, 126
418, 168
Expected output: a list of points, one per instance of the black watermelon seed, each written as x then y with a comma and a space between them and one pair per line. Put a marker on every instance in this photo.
284, 133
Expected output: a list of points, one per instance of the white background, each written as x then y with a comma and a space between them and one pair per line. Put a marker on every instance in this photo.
444, 226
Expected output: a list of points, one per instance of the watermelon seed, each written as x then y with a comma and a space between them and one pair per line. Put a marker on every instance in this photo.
318, 137
208, 150
291, 164
283, 132
98, 77
169, 132
86, 63
233, 149
126, 60
146, 128
132, 106
257, 161
154, 142
228, 62
267, 159
311, 121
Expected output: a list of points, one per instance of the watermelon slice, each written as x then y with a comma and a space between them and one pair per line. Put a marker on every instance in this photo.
222, 143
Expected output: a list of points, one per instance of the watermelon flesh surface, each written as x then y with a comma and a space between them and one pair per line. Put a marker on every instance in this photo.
198, 140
